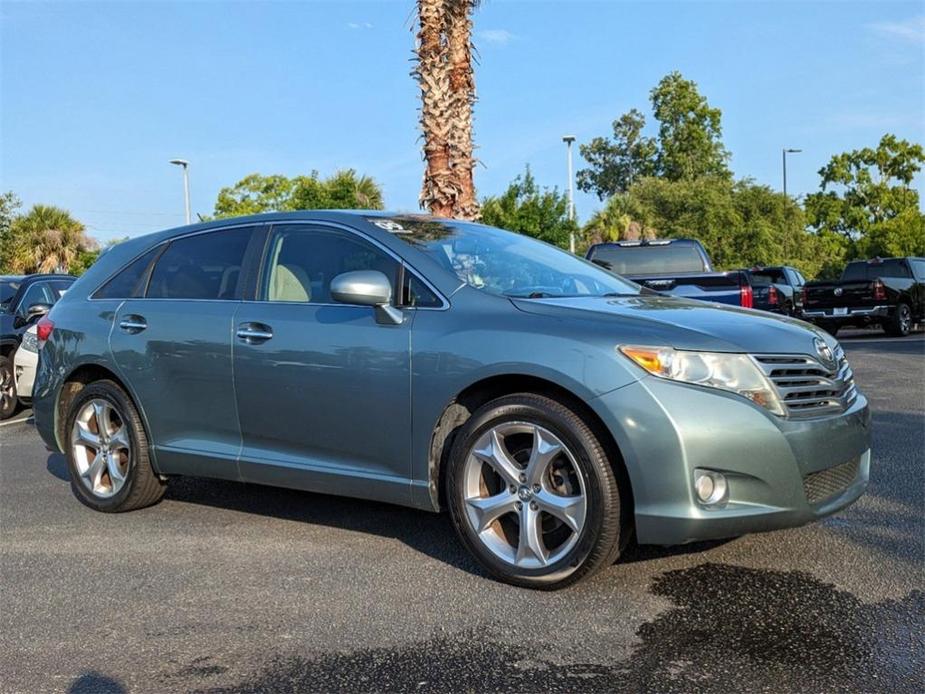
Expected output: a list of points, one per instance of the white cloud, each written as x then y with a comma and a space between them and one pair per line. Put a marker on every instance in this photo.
912, 29
499, 37
359, 25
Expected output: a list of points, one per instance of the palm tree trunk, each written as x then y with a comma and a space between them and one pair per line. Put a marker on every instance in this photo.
462, 99
439, 192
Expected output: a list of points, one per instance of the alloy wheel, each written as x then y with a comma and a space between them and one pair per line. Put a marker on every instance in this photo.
7, 389
525, 498
102, 448
904, 319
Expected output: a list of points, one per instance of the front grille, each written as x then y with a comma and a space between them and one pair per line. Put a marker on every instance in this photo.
819, 486
806, 387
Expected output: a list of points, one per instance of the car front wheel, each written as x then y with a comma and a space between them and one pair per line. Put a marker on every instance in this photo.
532, 493
107, 451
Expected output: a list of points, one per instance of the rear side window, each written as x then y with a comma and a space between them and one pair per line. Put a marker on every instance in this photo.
650, 260
204, 266
130, 282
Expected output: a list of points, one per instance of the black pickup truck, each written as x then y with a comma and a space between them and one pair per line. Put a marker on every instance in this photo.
887, 292
680, 267
778, 289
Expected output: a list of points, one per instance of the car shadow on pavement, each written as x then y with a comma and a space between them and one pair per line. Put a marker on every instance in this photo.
96, 683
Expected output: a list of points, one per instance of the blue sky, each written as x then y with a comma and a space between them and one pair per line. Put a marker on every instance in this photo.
96, 98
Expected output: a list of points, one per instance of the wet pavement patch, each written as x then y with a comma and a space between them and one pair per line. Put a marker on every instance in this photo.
730, 629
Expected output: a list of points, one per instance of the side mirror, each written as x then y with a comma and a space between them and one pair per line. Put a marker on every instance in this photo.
367, 288
33, 313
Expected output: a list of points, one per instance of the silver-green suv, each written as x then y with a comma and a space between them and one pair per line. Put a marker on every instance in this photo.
553, 408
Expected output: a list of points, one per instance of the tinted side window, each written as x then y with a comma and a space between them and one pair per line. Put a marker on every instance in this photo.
416, 293
204, 266
855, 272
302, 262
38, 293
130, 281
919, 267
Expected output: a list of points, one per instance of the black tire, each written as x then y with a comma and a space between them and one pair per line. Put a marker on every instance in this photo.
9, 402
142, 486
603, 533
900, 323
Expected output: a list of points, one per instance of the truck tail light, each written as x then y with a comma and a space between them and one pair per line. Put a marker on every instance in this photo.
43, 330
805, 295
772, 296
746, 297
879, 291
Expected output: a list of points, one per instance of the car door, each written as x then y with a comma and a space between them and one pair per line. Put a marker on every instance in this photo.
322, 388
173, 347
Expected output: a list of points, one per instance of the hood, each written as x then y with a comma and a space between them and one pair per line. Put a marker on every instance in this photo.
685, 324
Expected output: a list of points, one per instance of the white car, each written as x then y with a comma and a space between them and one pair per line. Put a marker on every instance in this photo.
25, 363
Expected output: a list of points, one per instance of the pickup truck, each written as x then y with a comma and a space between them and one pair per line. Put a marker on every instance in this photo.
680, 267
777, 289
887, 292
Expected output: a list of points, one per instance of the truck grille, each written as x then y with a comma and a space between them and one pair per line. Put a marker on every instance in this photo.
819, 486
806, 387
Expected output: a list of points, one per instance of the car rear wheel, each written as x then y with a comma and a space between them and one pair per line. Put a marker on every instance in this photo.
901, 323
532, 493
8, 400
107, 451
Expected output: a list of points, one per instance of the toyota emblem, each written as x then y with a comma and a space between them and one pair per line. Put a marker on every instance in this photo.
824, 352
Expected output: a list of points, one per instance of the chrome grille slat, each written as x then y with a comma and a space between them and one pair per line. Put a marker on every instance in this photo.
806, 387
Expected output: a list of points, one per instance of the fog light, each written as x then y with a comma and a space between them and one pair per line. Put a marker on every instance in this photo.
710, 486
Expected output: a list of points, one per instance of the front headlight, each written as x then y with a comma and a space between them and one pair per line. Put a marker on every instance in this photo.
733, 372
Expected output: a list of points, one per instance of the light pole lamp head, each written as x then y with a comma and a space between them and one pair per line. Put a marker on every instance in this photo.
568, 139
792, 151
180, 162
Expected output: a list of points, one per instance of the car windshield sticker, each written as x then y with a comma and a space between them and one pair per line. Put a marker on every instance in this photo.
390, 225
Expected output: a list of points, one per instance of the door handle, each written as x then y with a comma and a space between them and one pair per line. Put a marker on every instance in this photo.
254, 333
133, 324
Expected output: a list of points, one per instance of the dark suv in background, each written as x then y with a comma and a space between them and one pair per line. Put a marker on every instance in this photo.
23, 300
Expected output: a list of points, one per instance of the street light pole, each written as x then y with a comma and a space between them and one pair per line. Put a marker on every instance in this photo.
568, 140
784, 153
185, 165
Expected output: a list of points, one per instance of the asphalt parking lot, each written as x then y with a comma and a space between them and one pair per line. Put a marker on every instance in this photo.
230, 587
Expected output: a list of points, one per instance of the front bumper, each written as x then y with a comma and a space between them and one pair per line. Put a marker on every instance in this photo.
772, 465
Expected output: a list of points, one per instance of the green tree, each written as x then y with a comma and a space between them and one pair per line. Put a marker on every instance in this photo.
740, 224
255, 194
866, 198
615, 164
9, 204
689, 131
46, 239
688, 145
526, 209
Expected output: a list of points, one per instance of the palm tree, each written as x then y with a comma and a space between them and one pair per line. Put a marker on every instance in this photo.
462, 95
444, 74
46, 239
439, 192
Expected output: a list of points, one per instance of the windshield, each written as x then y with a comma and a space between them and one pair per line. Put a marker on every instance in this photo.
7, 292
656, 259
507, 264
